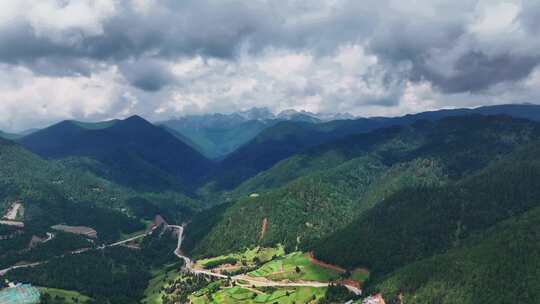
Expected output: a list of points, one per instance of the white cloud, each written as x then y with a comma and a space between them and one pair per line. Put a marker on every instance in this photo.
97, 59
61, 21
30, 100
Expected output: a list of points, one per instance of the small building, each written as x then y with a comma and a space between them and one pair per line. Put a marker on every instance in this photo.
20, 294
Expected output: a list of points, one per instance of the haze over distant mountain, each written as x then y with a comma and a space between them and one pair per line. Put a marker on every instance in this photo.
132, 152
285, 138
9, 135
217, 135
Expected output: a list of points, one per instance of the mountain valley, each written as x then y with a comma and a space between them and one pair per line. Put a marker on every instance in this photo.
406, 209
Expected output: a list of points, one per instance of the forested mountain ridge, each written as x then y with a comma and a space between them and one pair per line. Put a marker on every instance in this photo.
287, 138
360, 172
220, 134
52, 195
279, 142
419, 222
499, 265
269, 144
131, 152
417, 202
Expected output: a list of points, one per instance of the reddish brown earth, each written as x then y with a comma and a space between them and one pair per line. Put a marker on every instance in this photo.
323, 264
264, 225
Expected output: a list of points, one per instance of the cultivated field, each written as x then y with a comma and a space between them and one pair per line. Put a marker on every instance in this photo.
248, 258
295, 267
261, 295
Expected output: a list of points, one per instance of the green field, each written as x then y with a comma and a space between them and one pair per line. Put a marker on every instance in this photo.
259, 296
69, 297
284, 268
246, 258
295, 266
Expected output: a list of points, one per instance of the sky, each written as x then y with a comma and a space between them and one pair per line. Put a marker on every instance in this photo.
101, 59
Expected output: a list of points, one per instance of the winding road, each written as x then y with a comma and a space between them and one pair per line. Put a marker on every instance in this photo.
259, 282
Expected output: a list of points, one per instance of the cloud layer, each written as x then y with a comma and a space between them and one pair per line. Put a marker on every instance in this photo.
99, 59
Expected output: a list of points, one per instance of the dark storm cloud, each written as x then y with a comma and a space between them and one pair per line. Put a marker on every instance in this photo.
429, 41
476, 71
187, 28
147, 75
530, 16
193, 27
472, 64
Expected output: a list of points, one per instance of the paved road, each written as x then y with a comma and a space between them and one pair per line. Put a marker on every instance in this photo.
4, 271
50, 236
131, 239
12, 223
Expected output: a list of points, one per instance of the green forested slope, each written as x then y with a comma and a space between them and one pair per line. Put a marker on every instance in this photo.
418, 222
131, 152
115, 275
313, 206
53, 194
364, 171
501, 265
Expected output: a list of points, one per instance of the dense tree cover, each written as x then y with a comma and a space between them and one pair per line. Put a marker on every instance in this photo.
500, 265
130, 152
217, 135
115, 275
382, 200
279, 142
364, 170
288, 138
10, 246
112, 275
336, 293
158, 249
18, 249
418, 222
305, 210
53, 193
202, 224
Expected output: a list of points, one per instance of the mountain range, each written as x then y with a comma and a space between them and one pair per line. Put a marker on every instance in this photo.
131, 152
217, 135
440, 207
